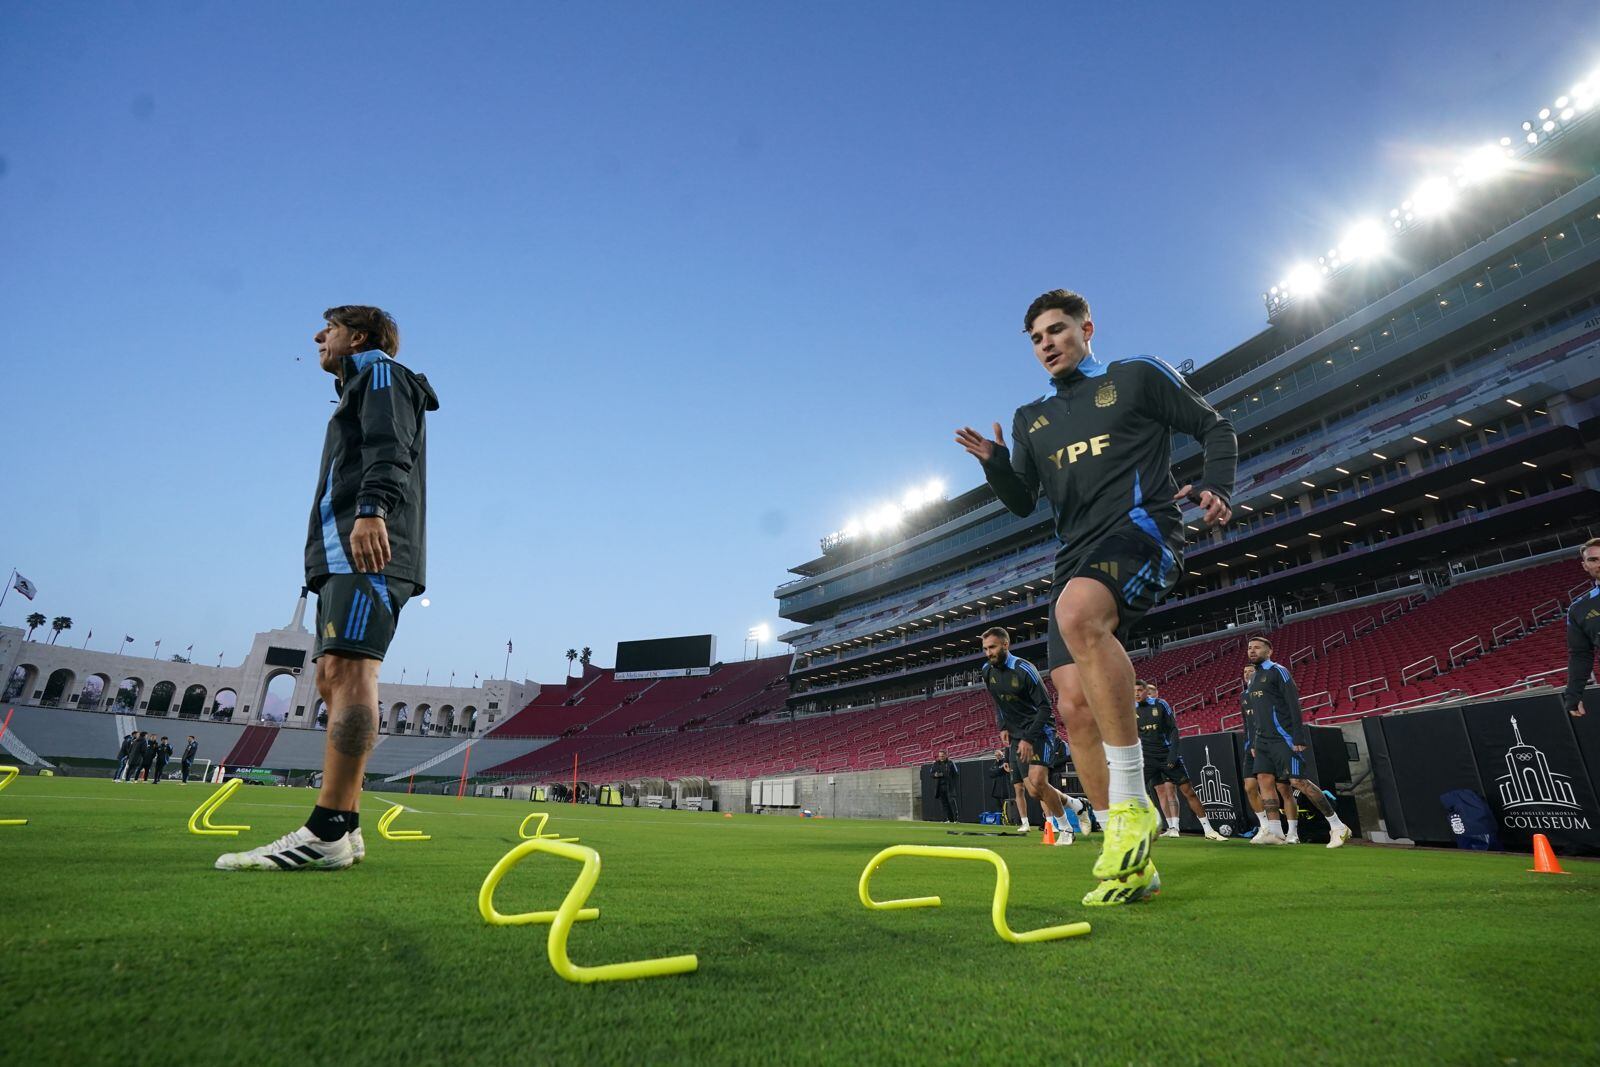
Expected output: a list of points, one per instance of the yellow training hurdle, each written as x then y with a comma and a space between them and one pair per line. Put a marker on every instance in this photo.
538, 831
6, 774
388, 818
1002, 891
571, 911
200, 822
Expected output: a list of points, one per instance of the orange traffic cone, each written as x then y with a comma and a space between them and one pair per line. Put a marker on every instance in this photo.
1049, 837
1544, 857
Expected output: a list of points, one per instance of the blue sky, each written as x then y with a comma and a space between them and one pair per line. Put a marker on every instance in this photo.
695, 283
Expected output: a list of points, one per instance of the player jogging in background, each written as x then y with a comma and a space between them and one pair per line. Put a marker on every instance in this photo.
1583, 632
1252, 792
1282, 746
1164, 772
365, 557
1026, 722
1099, 447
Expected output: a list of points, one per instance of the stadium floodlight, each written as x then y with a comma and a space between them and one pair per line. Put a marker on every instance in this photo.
1433, 197
1303, 280
1484, 162
1364, 240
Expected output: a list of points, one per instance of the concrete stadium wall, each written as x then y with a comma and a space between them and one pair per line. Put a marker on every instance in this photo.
894, 793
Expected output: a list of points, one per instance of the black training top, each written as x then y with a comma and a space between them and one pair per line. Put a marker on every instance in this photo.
1583, 635
1021, 702
1158, 730
1100, 450
374, 461
1273, 703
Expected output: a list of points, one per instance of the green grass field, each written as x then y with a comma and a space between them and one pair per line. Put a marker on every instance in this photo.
120, 944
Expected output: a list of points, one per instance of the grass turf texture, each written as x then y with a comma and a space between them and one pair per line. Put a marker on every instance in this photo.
119, 943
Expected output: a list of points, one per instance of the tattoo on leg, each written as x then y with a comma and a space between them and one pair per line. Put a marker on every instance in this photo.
1309, 790
354, 730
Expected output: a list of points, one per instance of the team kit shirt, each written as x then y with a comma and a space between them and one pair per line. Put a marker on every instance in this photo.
1583, 636
1158, 731
1272, 706
1100, 450
1021, 702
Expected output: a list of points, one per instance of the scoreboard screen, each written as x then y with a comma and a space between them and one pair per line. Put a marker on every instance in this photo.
665, 657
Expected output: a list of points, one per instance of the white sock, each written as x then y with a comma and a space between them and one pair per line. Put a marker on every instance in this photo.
1062, 825
1102, 817
1335, 823
1294, 824
1172, 822
1205, 825
1072, 802
1127, 774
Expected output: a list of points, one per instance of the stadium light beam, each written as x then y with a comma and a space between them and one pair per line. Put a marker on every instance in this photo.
1365, 240
1432, 198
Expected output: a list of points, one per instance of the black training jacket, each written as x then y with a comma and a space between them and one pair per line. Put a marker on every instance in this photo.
1272, 705
1158, 730
374, 457
1583, 633
1100, 449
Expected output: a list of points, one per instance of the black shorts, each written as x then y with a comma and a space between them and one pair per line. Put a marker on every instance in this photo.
1138, 569
1274, 758
1044, 751
1155, 773
1303, 765
357, 613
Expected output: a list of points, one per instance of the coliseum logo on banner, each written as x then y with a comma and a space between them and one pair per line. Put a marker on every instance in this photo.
1215, 795
1532, 795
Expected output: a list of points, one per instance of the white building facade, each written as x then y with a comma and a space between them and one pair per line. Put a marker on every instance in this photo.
88, 680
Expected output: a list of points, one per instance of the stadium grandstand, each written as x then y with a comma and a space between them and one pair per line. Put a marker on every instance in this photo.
1416, 472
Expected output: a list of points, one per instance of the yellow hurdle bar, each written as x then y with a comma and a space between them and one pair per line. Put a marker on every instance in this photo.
6, 774
200, 822
570, 911
538, 831
389, 817
1002, 891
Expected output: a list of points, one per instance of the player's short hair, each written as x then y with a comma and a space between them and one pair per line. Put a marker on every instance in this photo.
1063, 300
1264, 640
379, 326
1147, 684
997, 631
1593, 542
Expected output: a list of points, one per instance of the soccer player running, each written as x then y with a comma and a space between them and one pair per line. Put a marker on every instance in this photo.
1164, 772
1583, 632
1026, 722
1282, 746
1247, 770
1099, 448
365, 557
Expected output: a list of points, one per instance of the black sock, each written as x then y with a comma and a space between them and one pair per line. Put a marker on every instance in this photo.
330, 825
354, 822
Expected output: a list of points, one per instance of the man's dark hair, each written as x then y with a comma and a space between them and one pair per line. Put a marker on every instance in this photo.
1063, 300
1144, 683
376, 323
997, 631
1263, 640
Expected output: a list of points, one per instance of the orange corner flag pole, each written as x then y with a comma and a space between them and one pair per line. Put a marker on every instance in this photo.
465, 758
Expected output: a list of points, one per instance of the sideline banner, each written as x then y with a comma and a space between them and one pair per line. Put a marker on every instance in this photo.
1534, 773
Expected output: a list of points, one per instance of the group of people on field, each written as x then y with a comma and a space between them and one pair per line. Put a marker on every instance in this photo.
144, 757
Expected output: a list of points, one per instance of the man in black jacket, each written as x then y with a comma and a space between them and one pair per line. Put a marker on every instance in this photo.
146, 755
189, 751
1280, 747
1099, 448
999, 780
366, 553
946, 780
162, 754
1583, 632
123, 753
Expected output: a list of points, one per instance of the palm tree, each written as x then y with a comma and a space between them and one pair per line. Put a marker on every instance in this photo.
34, 622
58, 624
572, 654
583, 657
